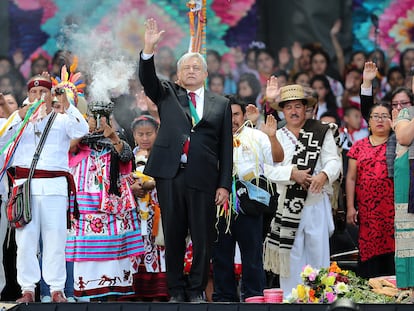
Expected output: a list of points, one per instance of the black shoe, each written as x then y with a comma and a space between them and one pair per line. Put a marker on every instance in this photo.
177, 298
197, 299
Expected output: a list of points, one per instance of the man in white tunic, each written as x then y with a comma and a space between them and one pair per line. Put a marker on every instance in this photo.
252, 148
303, 223
49, 191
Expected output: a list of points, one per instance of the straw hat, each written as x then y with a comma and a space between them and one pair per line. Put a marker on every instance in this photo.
295, 92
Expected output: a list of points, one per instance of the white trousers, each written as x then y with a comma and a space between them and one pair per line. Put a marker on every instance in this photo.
311, 244
49, 221
3, 232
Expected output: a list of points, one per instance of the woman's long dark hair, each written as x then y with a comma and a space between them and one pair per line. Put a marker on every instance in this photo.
330, 98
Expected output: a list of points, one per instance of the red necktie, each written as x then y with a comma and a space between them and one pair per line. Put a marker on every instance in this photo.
186, 146
193, 98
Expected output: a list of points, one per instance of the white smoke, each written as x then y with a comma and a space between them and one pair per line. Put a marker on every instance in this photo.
102, 61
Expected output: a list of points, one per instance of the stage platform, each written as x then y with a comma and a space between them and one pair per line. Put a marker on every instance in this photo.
142, 306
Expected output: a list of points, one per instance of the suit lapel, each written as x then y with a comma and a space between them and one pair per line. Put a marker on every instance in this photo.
184, 102
183, 99
208, 105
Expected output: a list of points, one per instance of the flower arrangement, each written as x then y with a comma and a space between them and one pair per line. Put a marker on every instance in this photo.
328, 284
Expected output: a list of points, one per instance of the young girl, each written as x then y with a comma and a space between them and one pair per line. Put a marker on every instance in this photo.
150, 281
326, 98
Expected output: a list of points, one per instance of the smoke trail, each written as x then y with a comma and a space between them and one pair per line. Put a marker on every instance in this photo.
102, 61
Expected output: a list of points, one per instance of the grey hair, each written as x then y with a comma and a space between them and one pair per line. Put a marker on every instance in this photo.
189, 55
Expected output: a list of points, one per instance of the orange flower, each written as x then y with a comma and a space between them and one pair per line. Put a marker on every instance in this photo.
312, 295
236, 142
334, 268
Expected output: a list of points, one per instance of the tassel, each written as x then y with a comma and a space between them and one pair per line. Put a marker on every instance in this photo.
156, 219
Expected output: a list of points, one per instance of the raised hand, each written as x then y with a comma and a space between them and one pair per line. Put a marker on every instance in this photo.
272, 89
370, 71
336, 27
296, 50
394, 116
284, 57
252, 113
45, 74
270, 127
152, 36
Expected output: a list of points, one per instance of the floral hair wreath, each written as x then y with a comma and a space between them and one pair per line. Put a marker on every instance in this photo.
69, 82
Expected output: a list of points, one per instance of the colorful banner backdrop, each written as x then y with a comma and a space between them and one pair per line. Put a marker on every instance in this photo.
39, 26
395, 25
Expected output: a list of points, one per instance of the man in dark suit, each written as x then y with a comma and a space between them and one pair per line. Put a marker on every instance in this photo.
191, 161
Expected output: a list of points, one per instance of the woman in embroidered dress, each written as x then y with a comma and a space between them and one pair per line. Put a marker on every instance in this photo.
107, 233
404, 183
371, 191
150, 280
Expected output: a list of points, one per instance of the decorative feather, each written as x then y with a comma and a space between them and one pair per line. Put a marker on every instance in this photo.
74, 65
80, 81
74, 77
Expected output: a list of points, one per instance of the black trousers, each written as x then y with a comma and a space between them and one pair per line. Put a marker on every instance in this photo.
247, 231
185, 210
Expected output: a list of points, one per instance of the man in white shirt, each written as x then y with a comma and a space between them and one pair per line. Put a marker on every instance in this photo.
303, 223
49, 191
251, 150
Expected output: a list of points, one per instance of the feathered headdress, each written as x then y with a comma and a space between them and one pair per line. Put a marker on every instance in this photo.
70, 82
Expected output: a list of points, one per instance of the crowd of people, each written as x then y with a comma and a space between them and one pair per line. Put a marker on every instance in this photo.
204, 166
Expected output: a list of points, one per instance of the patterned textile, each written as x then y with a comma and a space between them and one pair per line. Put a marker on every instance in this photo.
280, 240
93, 279
374, 192
107, 234
100, 235
150, 285
404, 225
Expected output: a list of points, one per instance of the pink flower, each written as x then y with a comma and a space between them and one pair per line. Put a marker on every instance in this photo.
96, 225
330, 296
312, 276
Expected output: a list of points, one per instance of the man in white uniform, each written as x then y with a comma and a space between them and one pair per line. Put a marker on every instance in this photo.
49, 191
303, 223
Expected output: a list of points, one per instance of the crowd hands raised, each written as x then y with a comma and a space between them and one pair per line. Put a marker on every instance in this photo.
366, 97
